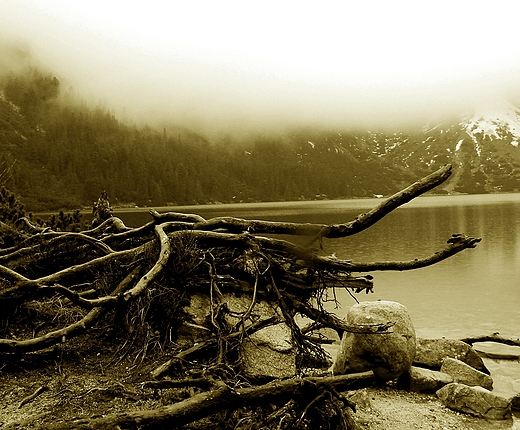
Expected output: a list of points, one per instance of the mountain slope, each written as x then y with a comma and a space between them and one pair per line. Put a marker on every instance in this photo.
483, 148
66, 153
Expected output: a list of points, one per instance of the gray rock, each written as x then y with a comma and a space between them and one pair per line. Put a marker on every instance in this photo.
423, 380
465, 374
497, 351
194, 326
475, 401
390, 354
266, 353
431, 353
260, 361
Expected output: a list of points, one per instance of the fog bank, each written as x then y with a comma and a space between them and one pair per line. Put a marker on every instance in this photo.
238, 67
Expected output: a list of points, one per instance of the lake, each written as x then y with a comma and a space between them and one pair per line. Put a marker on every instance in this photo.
476, 292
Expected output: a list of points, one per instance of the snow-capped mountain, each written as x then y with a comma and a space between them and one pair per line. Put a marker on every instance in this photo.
482, 146
496, 124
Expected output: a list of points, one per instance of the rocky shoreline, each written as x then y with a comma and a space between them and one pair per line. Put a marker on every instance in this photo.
381, 338
450, 371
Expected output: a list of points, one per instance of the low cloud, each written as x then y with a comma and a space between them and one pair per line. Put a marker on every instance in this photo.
223, 96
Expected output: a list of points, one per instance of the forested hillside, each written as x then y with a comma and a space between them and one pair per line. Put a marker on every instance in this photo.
61, 153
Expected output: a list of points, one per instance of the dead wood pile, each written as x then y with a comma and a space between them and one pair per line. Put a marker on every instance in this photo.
55, 286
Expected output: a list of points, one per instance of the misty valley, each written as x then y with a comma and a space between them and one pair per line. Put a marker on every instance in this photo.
57, 152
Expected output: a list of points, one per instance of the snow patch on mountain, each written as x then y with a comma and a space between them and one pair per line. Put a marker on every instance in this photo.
494, 123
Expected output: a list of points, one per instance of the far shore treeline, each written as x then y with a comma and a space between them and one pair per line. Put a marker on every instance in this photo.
58, 153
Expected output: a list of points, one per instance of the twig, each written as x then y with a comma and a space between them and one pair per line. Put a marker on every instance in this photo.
27, 286
57, 336
175, 216
77, 298
204, 383
112, 223
33, 396
222, 398
312, 403
257, 325
319, 231
368, 219
456, 244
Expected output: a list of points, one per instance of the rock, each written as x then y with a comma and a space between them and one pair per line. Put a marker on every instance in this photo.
475, 401
260, 361
388, 354
266, 353
497, 351
193, 328
361, 399
430, 353
465, 374
423, 380
515, 402
315, 360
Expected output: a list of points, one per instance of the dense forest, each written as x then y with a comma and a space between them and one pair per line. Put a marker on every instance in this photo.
59, 153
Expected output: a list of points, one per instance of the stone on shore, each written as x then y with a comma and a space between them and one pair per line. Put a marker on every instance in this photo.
423, 380
267, 353
431, 353
475, 401
193, 329
388, 354
465, 374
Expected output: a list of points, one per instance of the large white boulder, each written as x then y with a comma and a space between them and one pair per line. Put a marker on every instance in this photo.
388, 354
267, 353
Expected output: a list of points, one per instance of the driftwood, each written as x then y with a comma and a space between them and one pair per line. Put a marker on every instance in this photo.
299, 267
495, 337
224, 397
138, 281
33, 396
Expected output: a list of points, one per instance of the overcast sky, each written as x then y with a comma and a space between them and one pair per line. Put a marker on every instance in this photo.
220, 65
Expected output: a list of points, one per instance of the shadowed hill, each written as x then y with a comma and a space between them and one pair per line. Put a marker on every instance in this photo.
64, 153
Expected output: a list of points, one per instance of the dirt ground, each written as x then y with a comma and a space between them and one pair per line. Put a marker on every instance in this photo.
390, 409
89, 382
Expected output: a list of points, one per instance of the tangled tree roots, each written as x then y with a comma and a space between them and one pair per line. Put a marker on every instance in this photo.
141, 279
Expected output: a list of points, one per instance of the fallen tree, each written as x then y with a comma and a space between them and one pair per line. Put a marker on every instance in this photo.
59, 285
310, 391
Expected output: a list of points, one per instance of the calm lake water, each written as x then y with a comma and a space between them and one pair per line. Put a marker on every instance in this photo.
475, 292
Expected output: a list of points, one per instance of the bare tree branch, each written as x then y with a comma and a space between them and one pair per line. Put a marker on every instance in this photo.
61, 335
